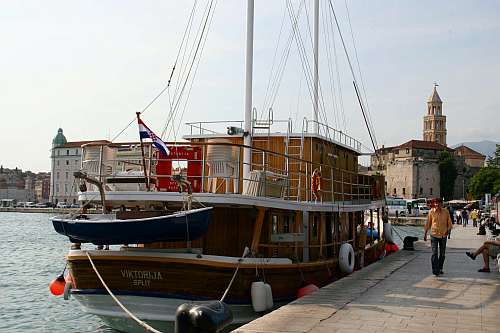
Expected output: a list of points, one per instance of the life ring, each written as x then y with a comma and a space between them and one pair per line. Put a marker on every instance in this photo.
316, 182
388, 233
346, 258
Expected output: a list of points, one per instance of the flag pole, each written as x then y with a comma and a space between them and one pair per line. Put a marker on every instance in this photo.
146, 179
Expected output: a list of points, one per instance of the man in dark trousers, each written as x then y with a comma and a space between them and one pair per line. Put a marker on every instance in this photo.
439, 223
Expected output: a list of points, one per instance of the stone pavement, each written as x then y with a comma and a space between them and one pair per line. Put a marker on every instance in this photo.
400, 294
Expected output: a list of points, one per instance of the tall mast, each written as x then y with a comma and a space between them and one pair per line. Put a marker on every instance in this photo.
316, 72
247, 138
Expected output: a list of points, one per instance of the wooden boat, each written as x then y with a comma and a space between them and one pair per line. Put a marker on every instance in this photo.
294, 199
107, 229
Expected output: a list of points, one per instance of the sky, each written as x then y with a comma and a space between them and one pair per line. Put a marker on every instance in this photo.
88, 66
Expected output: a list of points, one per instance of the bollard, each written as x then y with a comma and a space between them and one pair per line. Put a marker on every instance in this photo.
208, 317
408, 243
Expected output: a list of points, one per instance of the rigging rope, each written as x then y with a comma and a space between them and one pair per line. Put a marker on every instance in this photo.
166, 86
131, 315
360, 72
173, 129
353, 74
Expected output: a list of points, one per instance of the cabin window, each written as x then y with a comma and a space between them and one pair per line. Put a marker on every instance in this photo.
286, 224
407, 150
274, 223
76, 151
314, 227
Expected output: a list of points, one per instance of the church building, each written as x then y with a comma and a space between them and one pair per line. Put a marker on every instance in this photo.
411, 169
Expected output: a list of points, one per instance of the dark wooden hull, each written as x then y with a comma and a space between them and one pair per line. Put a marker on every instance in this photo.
195, 279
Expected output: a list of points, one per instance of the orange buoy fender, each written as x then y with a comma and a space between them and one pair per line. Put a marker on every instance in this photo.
57, 285
306, 290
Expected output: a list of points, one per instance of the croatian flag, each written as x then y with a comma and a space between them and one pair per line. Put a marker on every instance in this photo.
146, 133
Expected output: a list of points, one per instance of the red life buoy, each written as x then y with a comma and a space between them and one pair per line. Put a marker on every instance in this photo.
316, 182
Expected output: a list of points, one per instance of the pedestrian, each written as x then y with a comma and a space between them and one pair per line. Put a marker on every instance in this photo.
473, 216
465, 217
458, 213
450, 212
489, 248
439, 223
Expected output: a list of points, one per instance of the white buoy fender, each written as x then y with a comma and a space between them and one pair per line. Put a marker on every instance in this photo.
259, 296
346, 258
388, 233
269, 296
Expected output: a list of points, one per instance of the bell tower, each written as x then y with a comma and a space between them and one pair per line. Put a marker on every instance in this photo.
434, 121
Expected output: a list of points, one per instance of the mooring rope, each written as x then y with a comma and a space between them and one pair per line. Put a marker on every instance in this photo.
137, 320
245, 253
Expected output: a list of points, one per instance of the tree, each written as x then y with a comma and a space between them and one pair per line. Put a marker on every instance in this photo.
447, 173
487, 180
495, 159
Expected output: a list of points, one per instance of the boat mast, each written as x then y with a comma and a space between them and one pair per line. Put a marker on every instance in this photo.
247, 137
316, 72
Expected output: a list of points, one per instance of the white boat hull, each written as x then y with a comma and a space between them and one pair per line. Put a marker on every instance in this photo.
158, 312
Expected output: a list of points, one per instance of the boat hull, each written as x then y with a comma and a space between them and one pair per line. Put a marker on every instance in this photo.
156, 311
182, 226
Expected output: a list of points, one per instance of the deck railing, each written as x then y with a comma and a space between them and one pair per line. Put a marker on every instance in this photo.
217, 168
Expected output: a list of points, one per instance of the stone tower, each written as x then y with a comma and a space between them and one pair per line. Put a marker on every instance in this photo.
434, 121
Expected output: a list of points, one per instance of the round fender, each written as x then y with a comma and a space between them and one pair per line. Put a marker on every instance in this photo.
388, 233
346, 258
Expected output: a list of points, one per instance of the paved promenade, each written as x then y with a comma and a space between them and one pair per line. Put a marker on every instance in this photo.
400, 294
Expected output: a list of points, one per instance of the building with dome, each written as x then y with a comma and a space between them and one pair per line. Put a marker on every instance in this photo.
66, 158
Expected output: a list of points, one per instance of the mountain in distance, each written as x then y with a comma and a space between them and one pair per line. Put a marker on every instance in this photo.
484, 147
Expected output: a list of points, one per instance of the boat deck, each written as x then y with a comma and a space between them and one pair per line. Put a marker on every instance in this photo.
400, 294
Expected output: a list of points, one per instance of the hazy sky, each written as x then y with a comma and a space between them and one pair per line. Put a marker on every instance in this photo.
88, 66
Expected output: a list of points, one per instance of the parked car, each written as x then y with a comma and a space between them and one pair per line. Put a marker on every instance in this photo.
423, 210
75, 205
63, 205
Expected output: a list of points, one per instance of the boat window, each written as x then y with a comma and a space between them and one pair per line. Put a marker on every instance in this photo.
286, 224
314, 227
274, 223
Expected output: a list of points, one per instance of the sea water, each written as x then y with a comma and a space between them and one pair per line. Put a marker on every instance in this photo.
31, 255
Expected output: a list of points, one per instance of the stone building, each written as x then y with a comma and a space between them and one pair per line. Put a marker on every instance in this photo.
65, 160
434, 121
42, 187
411, 169
472, 158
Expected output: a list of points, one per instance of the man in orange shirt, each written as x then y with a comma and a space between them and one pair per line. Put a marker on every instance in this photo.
439, 222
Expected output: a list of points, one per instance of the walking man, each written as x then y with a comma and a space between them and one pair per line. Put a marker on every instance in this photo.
439, 222
465, 217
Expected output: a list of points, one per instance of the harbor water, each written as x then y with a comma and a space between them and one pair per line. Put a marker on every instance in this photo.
33, 255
